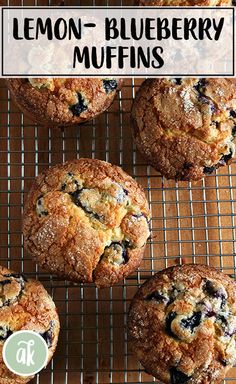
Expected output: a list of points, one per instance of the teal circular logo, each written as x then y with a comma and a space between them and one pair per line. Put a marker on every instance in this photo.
25, 353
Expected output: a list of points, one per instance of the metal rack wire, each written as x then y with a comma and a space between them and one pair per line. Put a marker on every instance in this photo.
191, 222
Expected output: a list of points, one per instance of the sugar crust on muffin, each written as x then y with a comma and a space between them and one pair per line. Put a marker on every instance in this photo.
25, 305
87, 221
182, 325
63, 101
186, 128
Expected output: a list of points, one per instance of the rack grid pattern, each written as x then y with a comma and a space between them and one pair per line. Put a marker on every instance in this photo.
191, 223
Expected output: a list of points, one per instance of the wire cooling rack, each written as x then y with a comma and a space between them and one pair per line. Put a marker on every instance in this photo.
191, 222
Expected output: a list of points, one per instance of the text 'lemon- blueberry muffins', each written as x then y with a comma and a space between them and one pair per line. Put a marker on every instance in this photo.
87, 221
25, 305
182, 3
186, 128
63, 101
182, 325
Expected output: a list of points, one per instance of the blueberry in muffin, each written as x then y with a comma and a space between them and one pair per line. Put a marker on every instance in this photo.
25, 305
185, 128
86, 221
59, 101
188, 3
182, 325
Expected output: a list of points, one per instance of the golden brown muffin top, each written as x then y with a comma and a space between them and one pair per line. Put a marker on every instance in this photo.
25, 305
182, 325
186, 127
63, 101
86, 220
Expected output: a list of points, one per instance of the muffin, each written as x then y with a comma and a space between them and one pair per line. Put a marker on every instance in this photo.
185, 128
188, 3
63, 101
182, 325
86, 221
25, 305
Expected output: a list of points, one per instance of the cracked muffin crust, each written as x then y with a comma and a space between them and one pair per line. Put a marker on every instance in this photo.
86, 221
25, 305
173, 3
182, 325
63, 102
186, 128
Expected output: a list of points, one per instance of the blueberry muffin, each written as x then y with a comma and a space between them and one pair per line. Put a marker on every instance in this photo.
188, 3
182, 325
25, 305
86, 221
63, 101
186, 128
